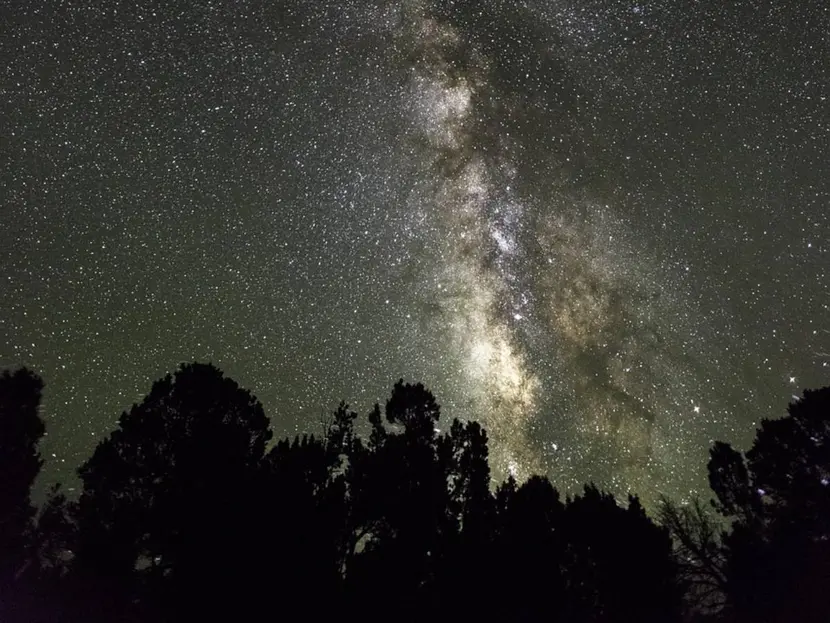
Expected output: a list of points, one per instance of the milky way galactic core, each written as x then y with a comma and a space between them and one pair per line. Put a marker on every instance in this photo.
600, 228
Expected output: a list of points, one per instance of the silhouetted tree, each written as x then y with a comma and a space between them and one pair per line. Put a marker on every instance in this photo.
401, 504
54, 534
729, 479
618, 563
528, 555
21, 428
167, 497
466, 554
778, 551
184, 516
699, 554
303, 505
43, 594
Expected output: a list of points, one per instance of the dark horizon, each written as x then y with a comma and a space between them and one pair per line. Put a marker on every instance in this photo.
188, 513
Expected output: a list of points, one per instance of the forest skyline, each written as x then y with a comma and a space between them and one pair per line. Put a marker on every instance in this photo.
187, 511
318, 423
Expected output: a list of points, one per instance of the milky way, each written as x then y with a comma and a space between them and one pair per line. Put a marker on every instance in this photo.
598, 227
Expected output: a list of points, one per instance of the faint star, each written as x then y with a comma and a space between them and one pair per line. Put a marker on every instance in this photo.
697, 409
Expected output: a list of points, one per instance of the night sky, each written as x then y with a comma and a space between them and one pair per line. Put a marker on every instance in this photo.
600, 227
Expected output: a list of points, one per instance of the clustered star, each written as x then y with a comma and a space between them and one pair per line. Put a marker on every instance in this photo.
570, 220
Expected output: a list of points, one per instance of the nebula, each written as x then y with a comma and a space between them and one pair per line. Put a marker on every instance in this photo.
568, 336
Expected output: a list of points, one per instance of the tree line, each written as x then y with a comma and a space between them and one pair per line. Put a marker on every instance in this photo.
188, 512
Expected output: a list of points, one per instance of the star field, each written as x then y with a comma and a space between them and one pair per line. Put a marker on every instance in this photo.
599, 227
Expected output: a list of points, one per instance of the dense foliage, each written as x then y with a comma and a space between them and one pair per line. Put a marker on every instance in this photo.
187, 514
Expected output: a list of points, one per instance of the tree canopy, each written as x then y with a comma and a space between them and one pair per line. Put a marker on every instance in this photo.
21, 428
777, 498
188, 512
